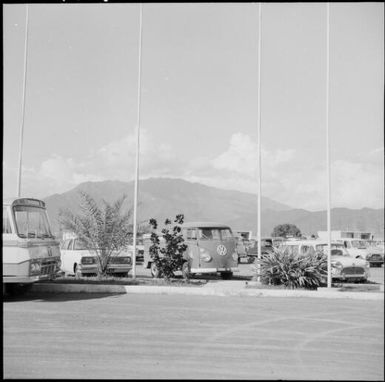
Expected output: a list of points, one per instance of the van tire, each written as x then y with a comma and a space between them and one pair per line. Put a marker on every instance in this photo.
226, 275
186, 271
155, 272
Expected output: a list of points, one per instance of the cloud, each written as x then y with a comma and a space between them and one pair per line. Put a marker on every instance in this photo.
293, 177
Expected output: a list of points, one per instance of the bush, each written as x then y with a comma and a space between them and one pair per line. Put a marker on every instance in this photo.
293, 270
168, 258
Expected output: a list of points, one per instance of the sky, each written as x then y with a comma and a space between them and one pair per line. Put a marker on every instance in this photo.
199, 98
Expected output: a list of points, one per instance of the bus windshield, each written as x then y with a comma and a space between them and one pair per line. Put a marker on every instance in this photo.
31, 222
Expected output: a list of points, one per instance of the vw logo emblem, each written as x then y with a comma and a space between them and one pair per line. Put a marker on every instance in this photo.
221, 250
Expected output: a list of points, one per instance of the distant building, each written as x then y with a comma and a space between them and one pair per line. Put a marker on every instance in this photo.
335, 235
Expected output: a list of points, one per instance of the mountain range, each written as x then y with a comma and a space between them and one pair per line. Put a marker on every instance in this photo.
162, 198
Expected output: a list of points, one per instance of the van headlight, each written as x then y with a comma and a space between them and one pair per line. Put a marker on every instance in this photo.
205, 257
367, 264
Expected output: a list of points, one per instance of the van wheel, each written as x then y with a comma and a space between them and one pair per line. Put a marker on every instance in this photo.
155, 272
186, 270
77, 272
226, 275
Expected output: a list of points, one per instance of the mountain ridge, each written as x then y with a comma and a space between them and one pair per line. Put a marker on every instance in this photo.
162, 198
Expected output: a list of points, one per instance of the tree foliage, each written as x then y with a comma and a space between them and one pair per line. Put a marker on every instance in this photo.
168, 257
286, 230
105, 230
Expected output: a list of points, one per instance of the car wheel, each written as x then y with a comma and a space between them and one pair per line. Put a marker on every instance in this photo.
155, 272
226, 275
186, 270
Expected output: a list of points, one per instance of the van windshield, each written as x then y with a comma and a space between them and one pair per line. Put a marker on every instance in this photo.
31, 222
209, 233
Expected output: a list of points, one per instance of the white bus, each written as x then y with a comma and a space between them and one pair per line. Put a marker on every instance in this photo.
30, 251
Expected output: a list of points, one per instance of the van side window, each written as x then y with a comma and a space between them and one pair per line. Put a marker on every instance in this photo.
6, 222
226, 234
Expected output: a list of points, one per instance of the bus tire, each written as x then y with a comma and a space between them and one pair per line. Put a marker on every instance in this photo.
17, 289
186, 270
226, 275
155, 272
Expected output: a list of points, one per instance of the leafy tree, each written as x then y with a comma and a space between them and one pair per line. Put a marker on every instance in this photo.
103, 229
286, 230
168, 258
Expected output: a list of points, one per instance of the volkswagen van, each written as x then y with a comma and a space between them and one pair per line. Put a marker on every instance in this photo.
30, 251
211, 248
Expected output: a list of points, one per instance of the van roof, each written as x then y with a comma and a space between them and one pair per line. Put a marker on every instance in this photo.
204, 225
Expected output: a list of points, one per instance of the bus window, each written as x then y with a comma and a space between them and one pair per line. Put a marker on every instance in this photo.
6, 222
31, 221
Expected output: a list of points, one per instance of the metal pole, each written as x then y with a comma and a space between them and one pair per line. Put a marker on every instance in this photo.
23, 106
259, 142
137, 145
329, 284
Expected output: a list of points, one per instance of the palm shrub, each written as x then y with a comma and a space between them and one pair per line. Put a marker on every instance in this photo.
293, 270
105, 230
168, 258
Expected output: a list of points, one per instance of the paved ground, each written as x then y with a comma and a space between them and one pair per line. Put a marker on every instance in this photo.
188, 337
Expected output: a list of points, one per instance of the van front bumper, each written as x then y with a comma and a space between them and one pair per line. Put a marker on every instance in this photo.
214, 270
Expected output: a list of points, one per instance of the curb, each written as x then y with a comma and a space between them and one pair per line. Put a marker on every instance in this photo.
200, 291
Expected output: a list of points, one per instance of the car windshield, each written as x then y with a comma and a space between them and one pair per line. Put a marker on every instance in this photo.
31, 222
337, 249
358, 244
291, 249
80, 245
208, 233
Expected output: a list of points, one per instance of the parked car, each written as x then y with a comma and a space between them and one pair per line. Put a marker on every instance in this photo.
376, 250
359, 248
344, 266
78, 260
241, 250
139, 252
266, 248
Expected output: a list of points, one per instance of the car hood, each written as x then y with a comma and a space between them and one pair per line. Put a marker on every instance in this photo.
348, 261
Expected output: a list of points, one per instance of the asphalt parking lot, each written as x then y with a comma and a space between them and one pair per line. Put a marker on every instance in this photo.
187, 337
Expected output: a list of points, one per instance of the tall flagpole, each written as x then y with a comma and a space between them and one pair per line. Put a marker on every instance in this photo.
329, 284
137, 145
259, 142
18, 193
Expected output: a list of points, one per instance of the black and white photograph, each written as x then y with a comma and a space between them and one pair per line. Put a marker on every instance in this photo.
193, 190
